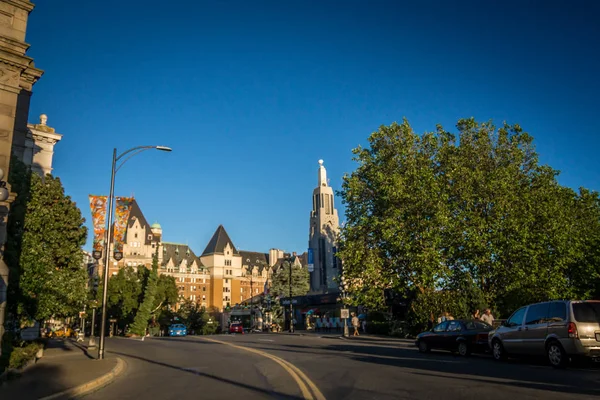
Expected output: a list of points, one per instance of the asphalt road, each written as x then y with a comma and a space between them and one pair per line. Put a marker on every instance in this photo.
302, 367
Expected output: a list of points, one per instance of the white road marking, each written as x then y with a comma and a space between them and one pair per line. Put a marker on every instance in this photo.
265, 340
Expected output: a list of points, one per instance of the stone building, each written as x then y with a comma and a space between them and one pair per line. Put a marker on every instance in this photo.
222, 276
191, 277
323, 233
18, 74
38, 147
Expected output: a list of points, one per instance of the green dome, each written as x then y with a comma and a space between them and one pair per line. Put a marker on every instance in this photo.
156, 225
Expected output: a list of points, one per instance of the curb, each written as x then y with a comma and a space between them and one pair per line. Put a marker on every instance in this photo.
91, 385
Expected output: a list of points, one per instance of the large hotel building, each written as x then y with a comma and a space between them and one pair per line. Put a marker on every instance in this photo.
224, 275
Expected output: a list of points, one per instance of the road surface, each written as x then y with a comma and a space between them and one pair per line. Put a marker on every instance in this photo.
262, 366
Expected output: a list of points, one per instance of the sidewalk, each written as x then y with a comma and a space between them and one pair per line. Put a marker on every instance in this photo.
65, 365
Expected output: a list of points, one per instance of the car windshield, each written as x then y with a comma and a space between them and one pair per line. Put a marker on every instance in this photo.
474, 325
587, 312
177, 326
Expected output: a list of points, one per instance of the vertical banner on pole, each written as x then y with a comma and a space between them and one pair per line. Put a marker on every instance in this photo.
98, 209
311, 260
122, 211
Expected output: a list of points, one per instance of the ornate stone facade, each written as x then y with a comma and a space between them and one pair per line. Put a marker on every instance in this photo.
17, 77
324, 230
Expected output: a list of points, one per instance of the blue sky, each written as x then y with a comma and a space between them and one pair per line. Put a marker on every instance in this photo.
250, 94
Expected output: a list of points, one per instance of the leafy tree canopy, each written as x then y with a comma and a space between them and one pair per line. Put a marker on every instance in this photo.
473, 213
45, 252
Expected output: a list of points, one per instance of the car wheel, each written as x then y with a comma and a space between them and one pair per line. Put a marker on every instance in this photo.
557, 356
423, 347
498, 350
463, 349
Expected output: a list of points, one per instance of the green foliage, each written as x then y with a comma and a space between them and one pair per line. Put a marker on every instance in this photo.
461, 222
280, 287
20, 180
140, 322
126, 292
46, 232
280, 280
21, 356
192, 315
209, 325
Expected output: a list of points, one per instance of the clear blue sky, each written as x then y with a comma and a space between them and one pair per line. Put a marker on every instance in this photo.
250, 94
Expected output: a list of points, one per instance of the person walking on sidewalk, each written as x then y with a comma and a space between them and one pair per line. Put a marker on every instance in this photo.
355, 324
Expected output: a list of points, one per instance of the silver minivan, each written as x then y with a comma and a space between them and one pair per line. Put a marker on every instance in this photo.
561, 330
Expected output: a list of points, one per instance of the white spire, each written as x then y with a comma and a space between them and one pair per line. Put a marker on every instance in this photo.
322, 174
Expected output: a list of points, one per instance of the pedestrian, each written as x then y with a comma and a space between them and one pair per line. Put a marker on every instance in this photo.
487, 317
476, 315
364, 325
355, 324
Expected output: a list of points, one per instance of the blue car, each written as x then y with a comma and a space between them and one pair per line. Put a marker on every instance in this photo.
177, 330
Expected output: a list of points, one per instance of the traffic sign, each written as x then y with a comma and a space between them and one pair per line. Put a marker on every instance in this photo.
345, 313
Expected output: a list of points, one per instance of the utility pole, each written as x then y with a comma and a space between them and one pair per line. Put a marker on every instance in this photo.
291, 305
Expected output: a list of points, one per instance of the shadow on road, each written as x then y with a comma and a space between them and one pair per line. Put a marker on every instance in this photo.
518, 373
210, 376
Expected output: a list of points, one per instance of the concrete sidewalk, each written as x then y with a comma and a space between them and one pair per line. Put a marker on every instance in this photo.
65, 365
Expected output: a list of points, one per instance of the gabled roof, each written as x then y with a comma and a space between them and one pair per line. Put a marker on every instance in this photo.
136, 213
218, 242
179, 252
260, 260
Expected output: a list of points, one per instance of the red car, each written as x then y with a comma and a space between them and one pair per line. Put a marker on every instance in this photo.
236, 328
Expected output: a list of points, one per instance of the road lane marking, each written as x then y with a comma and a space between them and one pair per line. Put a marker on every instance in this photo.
297, 375
265, 340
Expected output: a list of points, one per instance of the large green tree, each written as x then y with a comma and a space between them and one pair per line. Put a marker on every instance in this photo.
44, 252
280, 286
470, 214
143, 314
126, 292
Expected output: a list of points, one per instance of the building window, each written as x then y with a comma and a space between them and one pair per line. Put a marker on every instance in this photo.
204, 288
135, 236
149, 237
203, 297
226, 280
228, 263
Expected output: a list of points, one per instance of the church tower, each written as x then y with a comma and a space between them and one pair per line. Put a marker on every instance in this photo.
324, 229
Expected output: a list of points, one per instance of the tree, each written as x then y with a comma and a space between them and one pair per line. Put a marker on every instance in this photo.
20, 180
280, 280
140, 323
192, 315
280, 286
464, 220
45, 251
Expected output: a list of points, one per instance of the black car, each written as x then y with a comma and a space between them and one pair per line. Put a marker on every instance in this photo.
462, 336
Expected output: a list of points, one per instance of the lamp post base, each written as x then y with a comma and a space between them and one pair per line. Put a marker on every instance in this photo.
92, 343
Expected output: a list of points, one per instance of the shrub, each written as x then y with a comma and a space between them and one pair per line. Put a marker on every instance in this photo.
378, 327
21, 356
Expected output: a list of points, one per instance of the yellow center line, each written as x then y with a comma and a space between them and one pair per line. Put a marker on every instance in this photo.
297, 375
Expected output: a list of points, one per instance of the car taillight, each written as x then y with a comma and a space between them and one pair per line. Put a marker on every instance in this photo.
572, 330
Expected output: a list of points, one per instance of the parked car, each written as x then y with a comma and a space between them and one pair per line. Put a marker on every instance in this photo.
561, 330
177, 330
462, 336
236, 328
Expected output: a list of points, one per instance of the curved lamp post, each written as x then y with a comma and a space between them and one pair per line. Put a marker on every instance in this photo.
117, 256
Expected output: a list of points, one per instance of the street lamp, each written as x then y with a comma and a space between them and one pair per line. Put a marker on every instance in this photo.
343, 297
118, 255
291, 305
